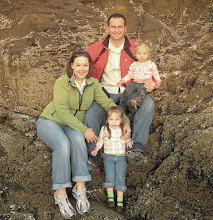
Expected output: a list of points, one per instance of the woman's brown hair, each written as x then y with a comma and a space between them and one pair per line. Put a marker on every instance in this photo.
72, 59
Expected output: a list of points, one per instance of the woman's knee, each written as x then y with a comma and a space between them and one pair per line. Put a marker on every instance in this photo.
78, 139
63, 147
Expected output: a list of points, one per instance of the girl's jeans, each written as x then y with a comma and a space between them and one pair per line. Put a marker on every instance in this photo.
115, 172
69, 155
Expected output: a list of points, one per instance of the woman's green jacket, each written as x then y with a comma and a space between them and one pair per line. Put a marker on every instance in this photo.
69, 106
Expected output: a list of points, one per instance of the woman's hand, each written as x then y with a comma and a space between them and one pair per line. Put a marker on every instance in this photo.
149, 85
90, 136
126, 131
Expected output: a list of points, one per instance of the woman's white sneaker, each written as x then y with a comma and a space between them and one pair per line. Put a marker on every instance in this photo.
82, 204
66, 209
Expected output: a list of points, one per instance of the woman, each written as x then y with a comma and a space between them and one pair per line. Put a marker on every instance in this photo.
60, 126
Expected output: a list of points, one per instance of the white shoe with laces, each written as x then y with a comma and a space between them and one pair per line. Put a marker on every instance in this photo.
82, 204
66, 209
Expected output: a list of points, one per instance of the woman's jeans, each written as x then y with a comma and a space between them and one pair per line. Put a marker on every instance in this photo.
69, 155
95, 117
115, 172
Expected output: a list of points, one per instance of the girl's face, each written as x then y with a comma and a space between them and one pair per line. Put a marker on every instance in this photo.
80, 67
114, 120
142, 53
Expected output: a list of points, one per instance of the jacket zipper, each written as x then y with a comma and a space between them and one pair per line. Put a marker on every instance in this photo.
80, 101
53, 113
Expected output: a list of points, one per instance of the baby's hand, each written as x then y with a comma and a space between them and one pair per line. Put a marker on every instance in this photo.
119, 83
158, 84
93, 153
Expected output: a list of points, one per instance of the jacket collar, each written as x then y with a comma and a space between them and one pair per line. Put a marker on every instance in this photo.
72, 81
126, 43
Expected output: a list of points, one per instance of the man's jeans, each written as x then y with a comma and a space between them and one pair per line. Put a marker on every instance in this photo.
115, 172
69, 154
95, 118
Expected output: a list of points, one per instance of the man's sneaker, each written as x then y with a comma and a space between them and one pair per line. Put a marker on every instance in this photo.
93, 168
82, 204
136, 157
66, 209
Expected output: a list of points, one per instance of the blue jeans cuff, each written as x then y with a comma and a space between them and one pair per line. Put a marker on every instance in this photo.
61, 186
109, 185
121, 188
82, 178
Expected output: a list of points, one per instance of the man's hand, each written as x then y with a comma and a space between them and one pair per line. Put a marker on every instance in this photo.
149, 85
90, 136
126, 131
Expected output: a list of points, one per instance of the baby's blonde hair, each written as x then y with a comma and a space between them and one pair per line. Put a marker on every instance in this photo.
140, 42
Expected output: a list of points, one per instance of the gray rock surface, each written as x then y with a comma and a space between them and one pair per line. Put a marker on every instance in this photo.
36, 39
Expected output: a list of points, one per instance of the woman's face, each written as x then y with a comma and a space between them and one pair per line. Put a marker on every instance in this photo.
80, 67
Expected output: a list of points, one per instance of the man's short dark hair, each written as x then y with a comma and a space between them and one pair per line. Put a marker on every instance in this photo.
116, 16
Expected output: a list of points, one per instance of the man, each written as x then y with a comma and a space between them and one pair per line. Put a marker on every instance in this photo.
111, 59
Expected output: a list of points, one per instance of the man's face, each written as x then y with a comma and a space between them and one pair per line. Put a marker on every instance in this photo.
116, 28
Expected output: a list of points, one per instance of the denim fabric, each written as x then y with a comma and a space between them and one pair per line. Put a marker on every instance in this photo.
115, 172
69, 155
95, 118
96, 115
135, 88
141, 123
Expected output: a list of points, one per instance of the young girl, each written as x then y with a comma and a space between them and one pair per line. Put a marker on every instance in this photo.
115, 164
139, 71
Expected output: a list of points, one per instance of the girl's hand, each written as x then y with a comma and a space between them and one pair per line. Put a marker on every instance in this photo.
93, 153
129, 144
90, 136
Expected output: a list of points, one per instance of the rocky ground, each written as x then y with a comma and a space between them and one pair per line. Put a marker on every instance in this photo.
37, 38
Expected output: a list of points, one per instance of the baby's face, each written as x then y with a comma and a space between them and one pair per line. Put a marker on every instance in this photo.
142, 53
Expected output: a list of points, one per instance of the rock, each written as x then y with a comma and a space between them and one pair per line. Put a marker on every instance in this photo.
36, 40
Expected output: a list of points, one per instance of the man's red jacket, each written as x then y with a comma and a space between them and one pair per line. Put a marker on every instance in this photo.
99, 55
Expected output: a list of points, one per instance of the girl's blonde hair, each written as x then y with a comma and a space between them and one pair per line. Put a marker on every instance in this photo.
114, 109
140, 42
